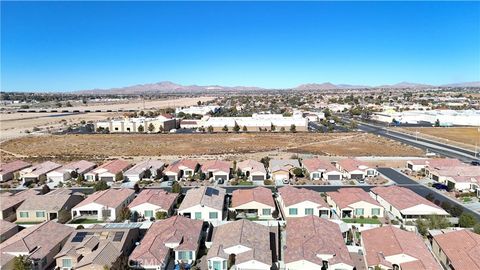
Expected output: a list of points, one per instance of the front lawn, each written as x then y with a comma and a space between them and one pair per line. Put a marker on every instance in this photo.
245, 183
85, 221
28, 222
362, 220
467, 199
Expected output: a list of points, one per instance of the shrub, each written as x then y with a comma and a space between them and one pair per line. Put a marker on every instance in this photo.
466, 220
100, 185
160, 215
268, 182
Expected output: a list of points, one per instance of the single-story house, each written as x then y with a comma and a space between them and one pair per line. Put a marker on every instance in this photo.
46, 207
248, 242
216, 169
461, 178
39, 243
109, 172
280, 169
355, 169
104, 205
146, 169
354, 203
417, 165
38, 172
151, 201
97, 248
176, 235
321, 169
7, 230
203, 203
299, 202
181, 169
7, 170
254, 171
457, 249
10, 203
255, 203
405, 204
71, 170
389, 247
315, 243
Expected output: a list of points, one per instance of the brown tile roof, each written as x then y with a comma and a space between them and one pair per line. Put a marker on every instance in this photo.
216, 166
37, 241
344, 197
382, 242
461, 170
291, 195
110, 197
113, 166
10, 200
351, 164
462, 248
310, 236
157, 197
177, 165
176, 229
207, 196
252, 165
316, 164
246, 233
42, 168
13, 166
6, 226
258, 194
442, 162
52, 201
400, 197
81, 166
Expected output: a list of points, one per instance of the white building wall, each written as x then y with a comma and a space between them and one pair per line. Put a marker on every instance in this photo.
205, 210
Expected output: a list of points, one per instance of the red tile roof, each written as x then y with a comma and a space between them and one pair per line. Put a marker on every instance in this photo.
110, 197
258, 194
316, 164
442, 162
13, 166
216, 166
386, 241
344, 197
157, 197
252, 165
462, 248
176, 166
400, 197
114, 166
291, 195
350, 164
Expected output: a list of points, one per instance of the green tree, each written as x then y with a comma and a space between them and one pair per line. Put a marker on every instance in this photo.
236, 128
80, 179
69, 104
45, 189
245, 129
64, 216
293, 128
225, 128
476, 228
456, 211
272, 127
151, 127
282, 129
437, 123
124, 214
141, 129
298, 172
176, 188
466, 220
210, 129
160, 215
100, 185
22, 262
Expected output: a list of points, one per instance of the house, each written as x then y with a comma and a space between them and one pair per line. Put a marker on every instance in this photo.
145, 169
253, 203
151, 201
40, 243
218, 170
405, 204
355, 169
281, 169
417, 165
176, 235
204, 203
300, 202
249, 243
320, 169
7, 170
109, 172
10, 203
460, 178
104, 205
389, 247
46, 207
97, 248
38, 172
254, 171
181, 169
71, 170
457, 250
354, 203
7, 230
315, 243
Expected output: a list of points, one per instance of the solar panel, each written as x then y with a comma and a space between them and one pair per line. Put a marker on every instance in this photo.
118, 236
79, 237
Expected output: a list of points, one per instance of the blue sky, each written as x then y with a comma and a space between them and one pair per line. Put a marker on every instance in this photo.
61, 46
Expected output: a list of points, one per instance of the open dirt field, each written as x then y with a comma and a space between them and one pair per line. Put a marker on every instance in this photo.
461, 136
15, 124
99, 146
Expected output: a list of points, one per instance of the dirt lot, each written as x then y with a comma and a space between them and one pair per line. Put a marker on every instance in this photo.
462, 136
229, 146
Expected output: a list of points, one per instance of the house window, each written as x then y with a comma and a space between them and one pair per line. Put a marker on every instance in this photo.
266, 212
213, 215
148, 213
292, 211
308, 211
224, 264
24, 214
217, 265
375, 211
198, 215
40, 214
67, 263
359, 211
185, 255
106, 213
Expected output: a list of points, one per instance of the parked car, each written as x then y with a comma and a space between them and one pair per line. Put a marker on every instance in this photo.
475, 163
440, 186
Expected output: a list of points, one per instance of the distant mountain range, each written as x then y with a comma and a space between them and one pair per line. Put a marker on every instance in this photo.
167, 86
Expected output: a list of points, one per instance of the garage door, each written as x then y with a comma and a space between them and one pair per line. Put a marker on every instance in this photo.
220, 177
334, 177
107, 179
356, 176
258, 178
171, 177
280, 177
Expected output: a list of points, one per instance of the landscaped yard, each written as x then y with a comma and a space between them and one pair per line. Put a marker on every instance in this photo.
28, 223
362, 220
85, 221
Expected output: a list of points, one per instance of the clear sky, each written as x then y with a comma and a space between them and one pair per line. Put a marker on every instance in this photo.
61, 46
